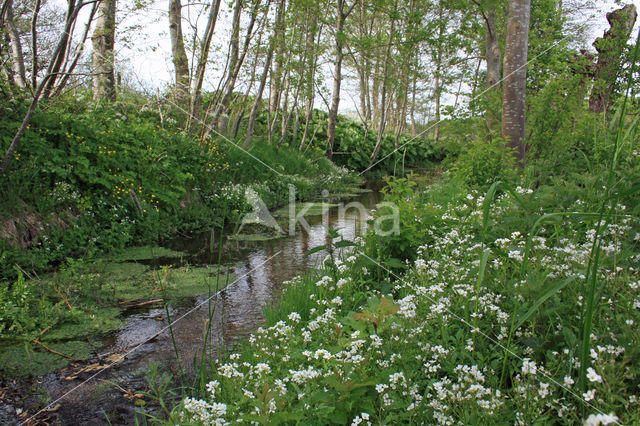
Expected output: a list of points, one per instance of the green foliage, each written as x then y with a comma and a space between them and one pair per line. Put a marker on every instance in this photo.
99, 177
484, 162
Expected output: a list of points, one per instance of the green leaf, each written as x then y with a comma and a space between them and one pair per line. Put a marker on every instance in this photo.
546, 295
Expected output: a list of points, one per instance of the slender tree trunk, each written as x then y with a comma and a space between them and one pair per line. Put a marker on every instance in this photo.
103, 55
196, 95
62, 43
514, 86
17, 56
436, 94
413, 107
310, 82
34, 43
278, 39
77, 53
234, 53
58, 59
237, 58
342, 12
256, 103
240, 115
383, 99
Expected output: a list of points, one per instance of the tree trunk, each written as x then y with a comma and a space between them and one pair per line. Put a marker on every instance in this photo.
103, 55
58, 59
17, 56
610, 49
413, 107
310, 81
78, 52
278, 40
256, 103
178, 52
383, 99
492, 55
337, 74
34, 43
514, 89
62, 43
196, 95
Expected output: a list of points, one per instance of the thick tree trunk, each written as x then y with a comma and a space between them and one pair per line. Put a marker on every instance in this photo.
103, 55
610, 49
178, 52
514, 89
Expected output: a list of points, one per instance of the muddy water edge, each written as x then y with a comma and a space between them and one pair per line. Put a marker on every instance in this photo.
109, 387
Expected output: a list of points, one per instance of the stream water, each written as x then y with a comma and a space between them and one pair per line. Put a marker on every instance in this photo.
261, 268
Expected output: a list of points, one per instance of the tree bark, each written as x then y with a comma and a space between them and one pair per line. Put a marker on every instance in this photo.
196, 95
383, 99
342, 12
610, 49
34, 43
178, 52
278, 40
514, 88
103, 55
17, 56
492, 55
59, 57
256, 103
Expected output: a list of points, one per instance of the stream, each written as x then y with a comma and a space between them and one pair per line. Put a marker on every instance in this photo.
92, 394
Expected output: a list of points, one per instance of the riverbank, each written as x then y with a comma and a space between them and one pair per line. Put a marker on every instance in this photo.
189, 261
473, 313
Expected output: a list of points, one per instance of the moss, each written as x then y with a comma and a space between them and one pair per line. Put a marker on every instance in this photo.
87, 324
188, 282
26, 360
144, 253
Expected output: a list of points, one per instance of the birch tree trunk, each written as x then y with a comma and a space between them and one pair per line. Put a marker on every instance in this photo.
17, 57
34, 43
515, 78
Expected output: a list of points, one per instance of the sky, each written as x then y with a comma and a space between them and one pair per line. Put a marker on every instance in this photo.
143, 46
